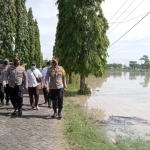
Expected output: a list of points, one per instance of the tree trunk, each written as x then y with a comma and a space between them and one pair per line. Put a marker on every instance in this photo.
82, 82
70, 78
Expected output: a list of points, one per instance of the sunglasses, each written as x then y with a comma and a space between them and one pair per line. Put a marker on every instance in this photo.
32, 64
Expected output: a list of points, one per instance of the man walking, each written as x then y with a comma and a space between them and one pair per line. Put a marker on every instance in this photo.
15, 77
3, 70
57, 85
34, 79
46, 94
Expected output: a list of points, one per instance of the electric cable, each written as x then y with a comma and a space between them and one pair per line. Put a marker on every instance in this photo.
126, 17
130, 44
130, 29
124, 11
118, 10
129, 20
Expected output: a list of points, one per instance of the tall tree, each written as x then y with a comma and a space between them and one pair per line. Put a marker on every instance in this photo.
38, 55
31, 31
7, 28
81, 42
21, 40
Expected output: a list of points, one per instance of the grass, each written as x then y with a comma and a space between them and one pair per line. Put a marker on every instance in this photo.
83, 134
72, 89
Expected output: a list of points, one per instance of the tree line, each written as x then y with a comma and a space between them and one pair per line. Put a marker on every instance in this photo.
145, 64
19, 32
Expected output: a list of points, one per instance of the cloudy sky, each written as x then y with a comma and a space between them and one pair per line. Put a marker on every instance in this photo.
122, 15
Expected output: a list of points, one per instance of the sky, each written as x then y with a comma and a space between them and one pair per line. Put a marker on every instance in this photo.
125, 23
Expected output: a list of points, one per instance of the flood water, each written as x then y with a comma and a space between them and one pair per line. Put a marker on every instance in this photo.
120, 101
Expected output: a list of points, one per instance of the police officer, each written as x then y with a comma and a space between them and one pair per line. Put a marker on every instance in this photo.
3, 70
46, 94
15, 76
57, 85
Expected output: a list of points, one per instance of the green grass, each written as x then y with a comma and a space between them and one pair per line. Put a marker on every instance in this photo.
83, 134
72, 89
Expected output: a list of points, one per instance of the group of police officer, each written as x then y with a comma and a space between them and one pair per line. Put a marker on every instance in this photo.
14, 80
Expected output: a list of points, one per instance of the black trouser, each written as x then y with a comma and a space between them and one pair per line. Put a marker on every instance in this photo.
16, 96
47, 96
57, 98
34, 91
2, 90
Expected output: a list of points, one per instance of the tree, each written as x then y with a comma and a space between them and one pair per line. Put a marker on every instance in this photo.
22, 37
38, 55
31, 32
133, 64
7, 28
146, 60
81, 42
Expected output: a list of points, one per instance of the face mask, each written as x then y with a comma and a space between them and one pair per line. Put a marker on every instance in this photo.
5, 62
16, 63
33, 67
54, 63
48, 66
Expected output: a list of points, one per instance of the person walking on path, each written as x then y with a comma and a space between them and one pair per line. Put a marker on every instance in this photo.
3, 70
56, 85
15, 76
46, 94
34, 79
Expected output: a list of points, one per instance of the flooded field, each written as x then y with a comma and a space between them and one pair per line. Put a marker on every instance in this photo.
120, 101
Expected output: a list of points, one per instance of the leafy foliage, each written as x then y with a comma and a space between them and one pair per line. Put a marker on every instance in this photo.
7, 28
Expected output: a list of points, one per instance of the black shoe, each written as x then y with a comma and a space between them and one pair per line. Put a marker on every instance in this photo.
59, 115
2, 103
7, 104
15, 113
20, 113
49, 106
54, 115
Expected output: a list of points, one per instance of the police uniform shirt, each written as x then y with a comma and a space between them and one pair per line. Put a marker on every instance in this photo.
3, 70
16, 75
32, 77
57, 78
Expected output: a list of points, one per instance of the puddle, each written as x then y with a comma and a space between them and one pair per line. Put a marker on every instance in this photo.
120, 102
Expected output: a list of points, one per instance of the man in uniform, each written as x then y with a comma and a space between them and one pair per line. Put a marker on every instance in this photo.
15, 77
57, 85
3, 70
46, 94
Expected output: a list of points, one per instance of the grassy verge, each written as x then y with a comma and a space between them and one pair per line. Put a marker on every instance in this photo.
72, 89
83, 134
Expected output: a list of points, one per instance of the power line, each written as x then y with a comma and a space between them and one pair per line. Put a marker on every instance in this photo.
126, 16
129, 29
130, 40
118, 10
129, 20
124, 11
131, 44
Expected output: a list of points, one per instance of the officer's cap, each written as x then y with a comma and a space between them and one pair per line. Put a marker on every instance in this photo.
6, 59
55, 59
17, 58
